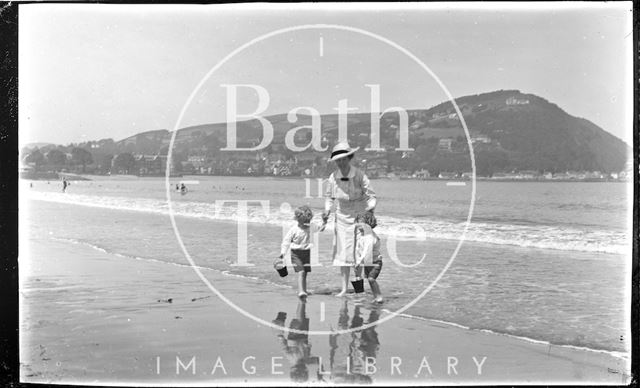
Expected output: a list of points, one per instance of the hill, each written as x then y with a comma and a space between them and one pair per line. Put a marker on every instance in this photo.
535, 134
510, 130
31, 146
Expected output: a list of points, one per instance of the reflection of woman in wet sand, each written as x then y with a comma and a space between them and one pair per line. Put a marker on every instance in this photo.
349, 190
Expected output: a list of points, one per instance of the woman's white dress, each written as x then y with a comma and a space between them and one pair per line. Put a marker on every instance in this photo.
349, 197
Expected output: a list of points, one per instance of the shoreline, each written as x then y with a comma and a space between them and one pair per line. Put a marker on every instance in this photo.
613, 353
399, 238
156, 331
161, 236
93, 177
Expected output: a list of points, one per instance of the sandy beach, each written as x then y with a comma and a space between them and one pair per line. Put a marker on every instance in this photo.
94, 317
472, 164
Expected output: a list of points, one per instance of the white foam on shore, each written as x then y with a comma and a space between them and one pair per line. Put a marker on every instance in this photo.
617, 354
540, 236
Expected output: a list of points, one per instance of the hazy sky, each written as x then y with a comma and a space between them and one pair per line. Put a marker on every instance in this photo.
92, 71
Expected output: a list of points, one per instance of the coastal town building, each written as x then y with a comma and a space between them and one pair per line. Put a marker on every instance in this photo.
197, 160
481, 139
515, 101
627, 172
422, 174
150, 164
439, 115
447, 175
505, 175
466, 175
415, 125
445, 144
528, 174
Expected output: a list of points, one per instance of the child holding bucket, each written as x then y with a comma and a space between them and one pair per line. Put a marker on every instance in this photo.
367, 252
298, 239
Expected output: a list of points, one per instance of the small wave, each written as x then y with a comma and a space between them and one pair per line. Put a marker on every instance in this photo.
527, 235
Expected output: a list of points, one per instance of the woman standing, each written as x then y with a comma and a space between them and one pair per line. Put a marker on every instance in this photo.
348, 188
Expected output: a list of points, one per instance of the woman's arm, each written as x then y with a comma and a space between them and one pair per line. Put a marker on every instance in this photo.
368, 193
330, 197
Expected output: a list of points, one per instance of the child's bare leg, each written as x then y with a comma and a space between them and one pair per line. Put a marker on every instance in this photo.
375, 288
301, 311
344, 270
302, 282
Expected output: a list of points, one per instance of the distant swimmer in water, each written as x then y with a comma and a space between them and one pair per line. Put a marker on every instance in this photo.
64, 185
183, 189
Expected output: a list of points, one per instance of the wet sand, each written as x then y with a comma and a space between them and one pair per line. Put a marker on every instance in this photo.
92, 317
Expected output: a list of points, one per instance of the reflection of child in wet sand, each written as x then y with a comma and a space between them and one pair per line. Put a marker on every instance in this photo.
296, 346
345, 359
369, 343
367, 252
298, 238
340, 344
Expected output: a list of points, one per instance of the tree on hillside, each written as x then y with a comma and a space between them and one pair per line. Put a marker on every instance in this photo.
107, 146
35, 157
213, 144
124, 161
177, 157
488, 162
105, 163
56, 158
82, 157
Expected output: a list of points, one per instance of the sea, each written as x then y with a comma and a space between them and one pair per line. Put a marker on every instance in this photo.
547, 262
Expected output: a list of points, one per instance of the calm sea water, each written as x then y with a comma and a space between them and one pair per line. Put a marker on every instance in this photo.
546, 261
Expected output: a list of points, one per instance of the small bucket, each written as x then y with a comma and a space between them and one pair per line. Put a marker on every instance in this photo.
358, 285
281, 268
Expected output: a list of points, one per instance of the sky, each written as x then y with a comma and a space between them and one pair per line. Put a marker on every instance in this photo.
94, 71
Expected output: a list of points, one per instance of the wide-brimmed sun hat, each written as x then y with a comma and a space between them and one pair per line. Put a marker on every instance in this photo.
342, 150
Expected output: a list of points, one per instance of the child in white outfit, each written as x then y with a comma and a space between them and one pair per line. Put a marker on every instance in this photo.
298, 239
367, 252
